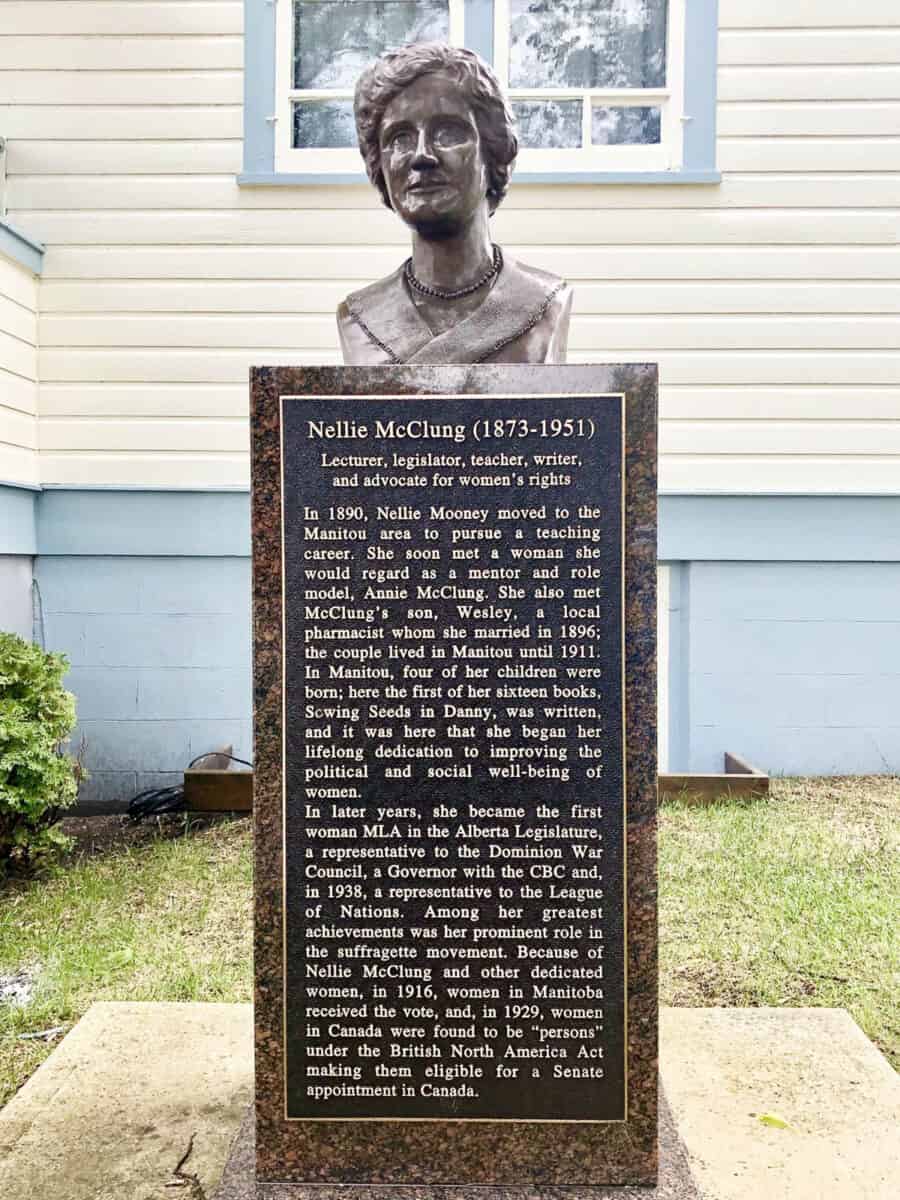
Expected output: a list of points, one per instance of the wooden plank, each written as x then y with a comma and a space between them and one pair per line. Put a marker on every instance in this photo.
757, 189
782, 437
144, 400
809, 47
18, 465
809, 83
18, 321
134, 122
677, 402
117, 88
581, 227
18, 393
801, 14
17, 428
799, 476
777, 404
18, 356
124, 158
863, 119
17, 283
720, 438
108, 17
688, 474
611, 296
46, 52
184, 435
709, 789
218, 791
229, 365
809, 154
735, 765
651, 333
305, 265
182, 471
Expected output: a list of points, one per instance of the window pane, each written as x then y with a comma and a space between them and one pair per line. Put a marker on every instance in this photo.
334, 40
324, 123
548, 124
587, 43
631, 126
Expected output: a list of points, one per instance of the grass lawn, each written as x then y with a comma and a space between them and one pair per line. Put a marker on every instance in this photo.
146, 917
790, 901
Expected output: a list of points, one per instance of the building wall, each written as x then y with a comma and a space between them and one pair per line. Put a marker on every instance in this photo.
18, 373
771, 300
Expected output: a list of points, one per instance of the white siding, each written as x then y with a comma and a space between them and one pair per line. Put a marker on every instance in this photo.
771, 301
18, 374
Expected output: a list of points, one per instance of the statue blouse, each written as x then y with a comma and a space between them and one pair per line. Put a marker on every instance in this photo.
523, 318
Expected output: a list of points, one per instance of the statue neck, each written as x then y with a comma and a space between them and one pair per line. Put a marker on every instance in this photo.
455, 261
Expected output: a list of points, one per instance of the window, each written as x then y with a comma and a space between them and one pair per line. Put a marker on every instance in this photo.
603, 90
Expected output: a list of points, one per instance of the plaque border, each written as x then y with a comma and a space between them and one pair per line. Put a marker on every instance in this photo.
491, 396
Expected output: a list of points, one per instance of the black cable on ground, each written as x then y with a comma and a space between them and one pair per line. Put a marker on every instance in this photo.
156, 802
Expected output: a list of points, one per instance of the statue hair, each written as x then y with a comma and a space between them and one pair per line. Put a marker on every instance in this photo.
397, 69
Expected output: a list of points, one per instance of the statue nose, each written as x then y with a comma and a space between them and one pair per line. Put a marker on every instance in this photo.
424, 155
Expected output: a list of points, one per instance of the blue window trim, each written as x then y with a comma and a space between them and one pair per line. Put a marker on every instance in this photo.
20, 248
701, 51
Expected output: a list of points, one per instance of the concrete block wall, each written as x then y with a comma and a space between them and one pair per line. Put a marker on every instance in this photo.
159, 649
794, 665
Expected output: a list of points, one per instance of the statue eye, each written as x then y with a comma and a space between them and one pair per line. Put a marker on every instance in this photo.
450, 133
403, 141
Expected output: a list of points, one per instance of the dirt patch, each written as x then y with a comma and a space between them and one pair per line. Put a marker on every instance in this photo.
98, 835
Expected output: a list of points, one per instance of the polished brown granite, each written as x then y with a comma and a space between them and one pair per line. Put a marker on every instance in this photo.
511, 1160
676, 1180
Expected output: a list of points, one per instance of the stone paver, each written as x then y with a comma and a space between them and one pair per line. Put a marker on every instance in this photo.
814, 1068
110, 1113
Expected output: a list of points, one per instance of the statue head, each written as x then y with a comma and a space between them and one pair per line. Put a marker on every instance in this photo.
429, 117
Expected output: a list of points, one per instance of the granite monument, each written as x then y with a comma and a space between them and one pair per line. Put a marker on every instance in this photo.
454, 542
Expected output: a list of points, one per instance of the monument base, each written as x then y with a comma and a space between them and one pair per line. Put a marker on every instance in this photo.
239, 1181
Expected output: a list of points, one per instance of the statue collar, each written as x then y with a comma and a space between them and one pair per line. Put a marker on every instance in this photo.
386, 314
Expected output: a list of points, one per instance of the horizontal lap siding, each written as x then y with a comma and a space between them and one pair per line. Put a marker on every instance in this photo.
18, 373
771, 302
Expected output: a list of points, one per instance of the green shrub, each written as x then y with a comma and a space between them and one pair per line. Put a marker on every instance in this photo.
36, 778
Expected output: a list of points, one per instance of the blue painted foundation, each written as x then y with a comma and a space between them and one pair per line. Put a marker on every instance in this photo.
783, 622
793, 665
160, 662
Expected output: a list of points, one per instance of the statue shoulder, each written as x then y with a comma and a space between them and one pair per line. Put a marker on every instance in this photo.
358, 344
546, 302
558, 289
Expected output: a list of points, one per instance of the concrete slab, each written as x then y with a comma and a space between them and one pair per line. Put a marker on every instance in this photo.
111, 1112
812, 1067
109, 1115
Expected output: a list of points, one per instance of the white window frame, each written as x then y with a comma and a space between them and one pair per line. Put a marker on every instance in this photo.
667, 155
318, 161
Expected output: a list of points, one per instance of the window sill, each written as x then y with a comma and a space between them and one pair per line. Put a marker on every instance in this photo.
339, 178
20, 248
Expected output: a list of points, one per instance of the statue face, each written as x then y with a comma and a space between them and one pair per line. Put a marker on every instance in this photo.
431, 156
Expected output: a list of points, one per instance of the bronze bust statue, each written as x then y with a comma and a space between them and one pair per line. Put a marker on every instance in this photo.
439, 144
